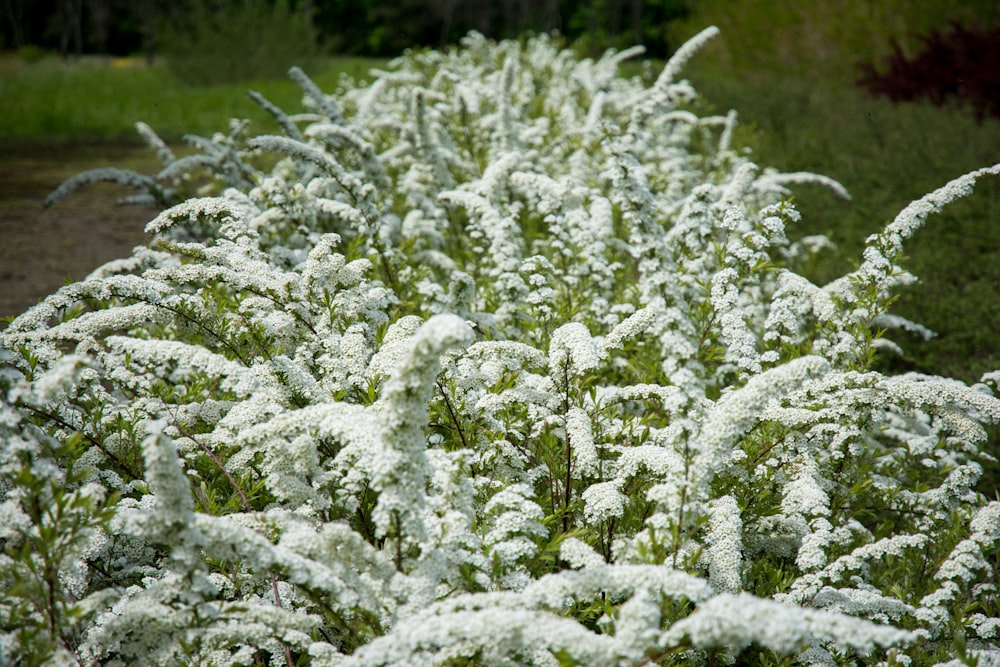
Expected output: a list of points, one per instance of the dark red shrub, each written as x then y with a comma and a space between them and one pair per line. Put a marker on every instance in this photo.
963, 63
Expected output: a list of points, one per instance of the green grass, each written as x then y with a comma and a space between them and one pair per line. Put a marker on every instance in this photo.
50, 100
886, 155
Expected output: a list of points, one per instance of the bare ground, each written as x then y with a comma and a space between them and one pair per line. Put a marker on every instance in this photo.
42, 249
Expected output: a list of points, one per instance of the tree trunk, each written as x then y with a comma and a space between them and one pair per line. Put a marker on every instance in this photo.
100, 18
70, 19
615, 19
551, 18
77, 25
147, 21
637, 33
444, 12
480, 14
14, 16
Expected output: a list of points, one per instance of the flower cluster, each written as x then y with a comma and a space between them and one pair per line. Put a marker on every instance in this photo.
501, 358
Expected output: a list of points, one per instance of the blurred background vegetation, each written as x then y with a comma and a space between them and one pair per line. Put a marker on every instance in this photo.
279, 28
73, 69
781, 36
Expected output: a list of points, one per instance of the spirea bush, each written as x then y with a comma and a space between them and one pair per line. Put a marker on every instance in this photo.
500, 359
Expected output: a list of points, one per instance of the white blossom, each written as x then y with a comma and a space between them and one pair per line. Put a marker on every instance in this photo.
725, 545
603, 501
734, 621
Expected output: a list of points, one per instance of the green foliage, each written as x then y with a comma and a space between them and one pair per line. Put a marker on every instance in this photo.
31, 54
600, 24
788, 37
46, 539
379, 28
54, 101
227, 41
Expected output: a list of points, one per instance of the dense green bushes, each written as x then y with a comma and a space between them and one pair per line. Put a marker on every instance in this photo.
241, 40
382, 28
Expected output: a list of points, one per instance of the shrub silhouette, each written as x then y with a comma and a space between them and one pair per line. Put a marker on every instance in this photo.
963, 63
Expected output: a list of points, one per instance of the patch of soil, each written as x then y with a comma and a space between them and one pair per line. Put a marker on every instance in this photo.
42, 249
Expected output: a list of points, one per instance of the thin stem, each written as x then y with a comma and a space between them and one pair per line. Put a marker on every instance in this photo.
568, 491
454, 417
196, 323
203, 499
218, 463
89, 438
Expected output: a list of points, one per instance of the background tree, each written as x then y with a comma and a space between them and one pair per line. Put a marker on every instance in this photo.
381, 28
70, 25
212, 41
12, 27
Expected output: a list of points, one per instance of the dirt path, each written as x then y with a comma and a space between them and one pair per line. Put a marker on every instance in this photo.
41, 249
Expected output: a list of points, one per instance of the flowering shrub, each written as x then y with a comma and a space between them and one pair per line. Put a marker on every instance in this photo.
502, 360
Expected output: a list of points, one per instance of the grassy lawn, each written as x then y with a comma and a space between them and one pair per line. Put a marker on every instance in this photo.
103, 98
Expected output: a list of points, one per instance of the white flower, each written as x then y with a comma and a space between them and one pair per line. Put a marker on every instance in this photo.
581, 442
579, 554
572, 348
603, 501
725, 545
735, 621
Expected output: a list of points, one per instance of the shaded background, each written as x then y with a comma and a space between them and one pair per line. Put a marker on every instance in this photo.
381, 28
